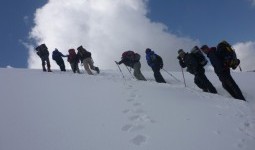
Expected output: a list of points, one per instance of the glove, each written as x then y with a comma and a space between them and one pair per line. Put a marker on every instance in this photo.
117, 63
178, 57
161, 66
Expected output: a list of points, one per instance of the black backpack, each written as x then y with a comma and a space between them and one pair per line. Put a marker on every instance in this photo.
196, 52
227, 54
83, 52
42, 50
156, 59
130, 55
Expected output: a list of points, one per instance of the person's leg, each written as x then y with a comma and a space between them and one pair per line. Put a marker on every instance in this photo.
207, 84
158, 77
86, 66
137, 72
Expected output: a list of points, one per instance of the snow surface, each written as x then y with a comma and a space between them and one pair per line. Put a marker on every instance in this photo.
66, 111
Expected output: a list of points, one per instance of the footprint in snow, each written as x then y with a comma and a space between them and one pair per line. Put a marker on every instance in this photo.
134, 118
139, 111
139, 140
137, 104
132, 128
126, 127
126, 111
143, 118
130, 99
132, 95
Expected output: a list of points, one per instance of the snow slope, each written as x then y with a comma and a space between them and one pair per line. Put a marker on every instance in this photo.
66, 111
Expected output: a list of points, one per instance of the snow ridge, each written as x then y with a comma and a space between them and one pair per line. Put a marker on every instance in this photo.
61, 111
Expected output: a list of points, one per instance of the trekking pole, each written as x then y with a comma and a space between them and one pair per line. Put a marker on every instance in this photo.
240, 68
171, 75
120, 70
183, 78
130, 72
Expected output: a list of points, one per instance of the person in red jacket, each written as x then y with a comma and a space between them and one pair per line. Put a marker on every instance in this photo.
73, 59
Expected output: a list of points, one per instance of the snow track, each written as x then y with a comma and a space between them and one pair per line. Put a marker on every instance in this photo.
62, 111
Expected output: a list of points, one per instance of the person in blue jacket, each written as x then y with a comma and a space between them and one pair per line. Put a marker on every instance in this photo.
57, 56
156, 63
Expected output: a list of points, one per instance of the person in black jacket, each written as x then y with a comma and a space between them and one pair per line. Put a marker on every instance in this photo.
57, 56
43, 53
156, 63
86, 59
189, 60
223, 72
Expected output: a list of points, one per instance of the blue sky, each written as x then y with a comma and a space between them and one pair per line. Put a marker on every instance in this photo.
17, 19
207, 21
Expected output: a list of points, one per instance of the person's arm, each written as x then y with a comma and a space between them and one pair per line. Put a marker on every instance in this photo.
181, 62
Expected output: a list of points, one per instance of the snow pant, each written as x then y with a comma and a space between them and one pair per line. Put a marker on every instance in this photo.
157, 75
203, 83
45, 60
89, 64
61, 64
230, 85
137, 71
75, 67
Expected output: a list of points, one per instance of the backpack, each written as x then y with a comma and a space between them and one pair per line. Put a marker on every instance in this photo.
42, 50
130, 55
83, 53
196, 52
71, 56
156, 59
55, 55
225, 51
137, 57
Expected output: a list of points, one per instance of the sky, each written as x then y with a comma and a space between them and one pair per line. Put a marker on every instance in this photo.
107, 28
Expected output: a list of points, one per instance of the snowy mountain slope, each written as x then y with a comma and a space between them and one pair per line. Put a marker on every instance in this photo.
62, 111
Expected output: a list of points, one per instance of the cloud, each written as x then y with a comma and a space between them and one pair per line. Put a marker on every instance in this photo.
246, 53
9, 67
253, 2
106, 28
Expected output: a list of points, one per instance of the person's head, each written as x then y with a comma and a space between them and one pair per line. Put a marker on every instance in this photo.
148, 50
81, 49
181, 53
205, 49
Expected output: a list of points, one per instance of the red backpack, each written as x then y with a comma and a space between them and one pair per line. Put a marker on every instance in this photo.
130, 55
71, 56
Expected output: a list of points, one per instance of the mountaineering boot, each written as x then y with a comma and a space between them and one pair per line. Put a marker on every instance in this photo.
97, 70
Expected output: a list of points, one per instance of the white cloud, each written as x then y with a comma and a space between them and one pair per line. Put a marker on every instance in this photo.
9, 67
253, 2
246, 53
106, 28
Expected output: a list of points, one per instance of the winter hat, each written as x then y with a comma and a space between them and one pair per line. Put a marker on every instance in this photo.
181, 52
148, 50
80, 48
205, 49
